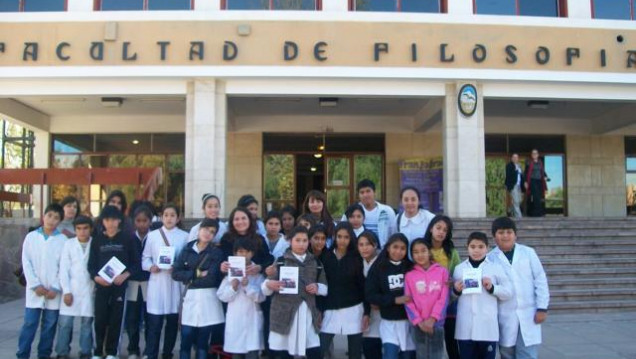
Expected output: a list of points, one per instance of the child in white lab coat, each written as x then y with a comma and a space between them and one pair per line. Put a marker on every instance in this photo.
477, 330
244, 324
77, 291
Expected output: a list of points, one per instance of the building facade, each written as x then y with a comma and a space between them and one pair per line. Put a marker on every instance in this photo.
274, 98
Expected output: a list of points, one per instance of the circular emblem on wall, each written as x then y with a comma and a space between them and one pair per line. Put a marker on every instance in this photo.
467, 100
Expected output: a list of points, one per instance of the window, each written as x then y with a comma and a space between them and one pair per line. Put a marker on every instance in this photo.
32, 5
118, 5
548, 8
613, 9
431, 6
272, 5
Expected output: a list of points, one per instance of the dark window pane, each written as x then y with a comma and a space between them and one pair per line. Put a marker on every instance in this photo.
523, 144
420, 6
496, 144
44, 5
630, 146
122, 5
538, 8
294, 5
248, 4
376, 5
132, 143
168, 142
612, 9
9, 5
168, 4
73, 143
496, 7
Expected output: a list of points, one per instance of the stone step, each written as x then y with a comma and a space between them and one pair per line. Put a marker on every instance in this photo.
602, 234
604, 262
597, 306
591, 295
591, 283
583, 272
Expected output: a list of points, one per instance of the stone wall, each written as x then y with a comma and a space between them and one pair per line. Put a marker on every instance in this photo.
595, 176
244, 168
12, 233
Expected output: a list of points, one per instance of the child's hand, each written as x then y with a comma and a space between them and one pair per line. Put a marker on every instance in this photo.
365, 323
154, 269
274, 285
68, 299
40, 291
101, 281
312, 288
253, 269
225, 267
403, 299
375, 307
271, 271
245, 281
235, 284
51, 294
202, 273
540, 317
459, 286
487, 283
120, 279
428, 325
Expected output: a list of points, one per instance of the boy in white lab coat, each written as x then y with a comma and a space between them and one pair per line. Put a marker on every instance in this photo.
480, 284
77, 291
41, 252
520, 318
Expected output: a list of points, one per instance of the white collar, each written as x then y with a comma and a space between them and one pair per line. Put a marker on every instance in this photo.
300, 257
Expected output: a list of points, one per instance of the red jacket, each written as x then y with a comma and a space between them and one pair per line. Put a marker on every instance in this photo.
428, 290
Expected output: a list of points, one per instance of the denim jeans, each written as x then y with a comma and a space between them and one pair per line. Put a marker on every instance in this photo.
32, 318
472, 349
65, 335
198, 336
429, 346
520, 350
135, 315
153, 335
392, 351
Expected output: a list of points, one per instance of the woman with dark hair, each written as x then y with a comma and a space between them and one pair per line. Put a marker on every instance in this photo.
71, 209
536, 185
414, 220
250, 203
241, 224
315, 203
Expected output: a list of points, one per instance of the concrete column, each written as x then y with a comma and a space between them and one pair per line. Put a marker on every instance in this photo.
578, 9
206, 130
464, 157
79, 5
335, 5
207, 5
460, 7
41, 159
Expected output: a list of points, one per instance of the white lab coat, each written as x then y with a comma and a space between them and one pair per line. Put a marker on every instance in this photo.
244, 322
477, 313
280, 247
164, 293
41, 265
75, 279
530, 291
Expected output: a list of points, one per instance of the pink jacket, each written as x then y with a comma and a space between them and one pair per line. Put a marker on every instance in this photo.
428, 290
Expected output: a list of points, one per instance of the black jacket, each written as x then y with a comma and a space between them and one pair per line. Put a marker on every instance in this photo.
140, 244
184, 269
121, 246
385, 283
511, 177
345, 278
261, 257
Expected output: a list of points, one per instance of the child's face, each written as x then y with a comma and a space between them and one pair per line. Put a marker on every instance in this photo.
142, 224
111, 225
397, 251
366, 249
410, 202
212, 208
273, 226
241, 222
169, 218
315, 206
477, 250
505, 239
288, 221
304, 223
242, 252
206, 234
439, 232
342, 240
421, 255
253, 208
70, 210
51, 220
83, 232
356, 219
115, 201
299, 243
318, 242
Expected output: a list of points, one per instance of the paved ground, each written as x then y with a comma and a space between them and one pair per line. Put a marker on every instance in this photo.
565, 336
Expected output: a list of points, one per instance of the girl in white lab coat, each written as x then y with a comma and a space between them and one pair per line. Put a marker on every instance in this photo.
164, 293
477, 330
77, 291
244, 325
212, 210
371, 343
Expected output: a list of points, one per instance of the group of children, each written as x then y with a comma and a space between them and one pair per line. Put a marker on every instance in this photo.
394, 285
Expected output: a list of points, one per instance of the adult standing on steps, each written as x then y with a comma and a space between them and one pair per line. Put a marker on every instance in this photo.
515, 184
378, 218
536, 185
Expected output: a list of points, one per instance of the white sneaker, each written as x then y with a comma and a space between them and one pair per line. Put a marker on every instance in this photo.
111, 357
96, 357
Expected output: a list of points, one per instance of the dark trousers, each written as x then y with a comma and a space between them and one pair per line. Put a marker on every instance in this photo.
199, 336
470, 349
153, 334
452, 348
310, 353
265, 308
372, 348
535, 201
109, 311
354, 344
135, 313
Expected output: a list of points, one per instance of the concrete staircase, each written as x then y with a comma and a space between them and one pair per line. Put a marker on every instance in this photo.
590, 262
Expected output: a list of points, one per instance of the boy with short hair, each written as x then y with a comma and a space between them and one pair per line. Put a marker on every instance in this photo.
77, 290
41, 252
477, 329
520, 318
